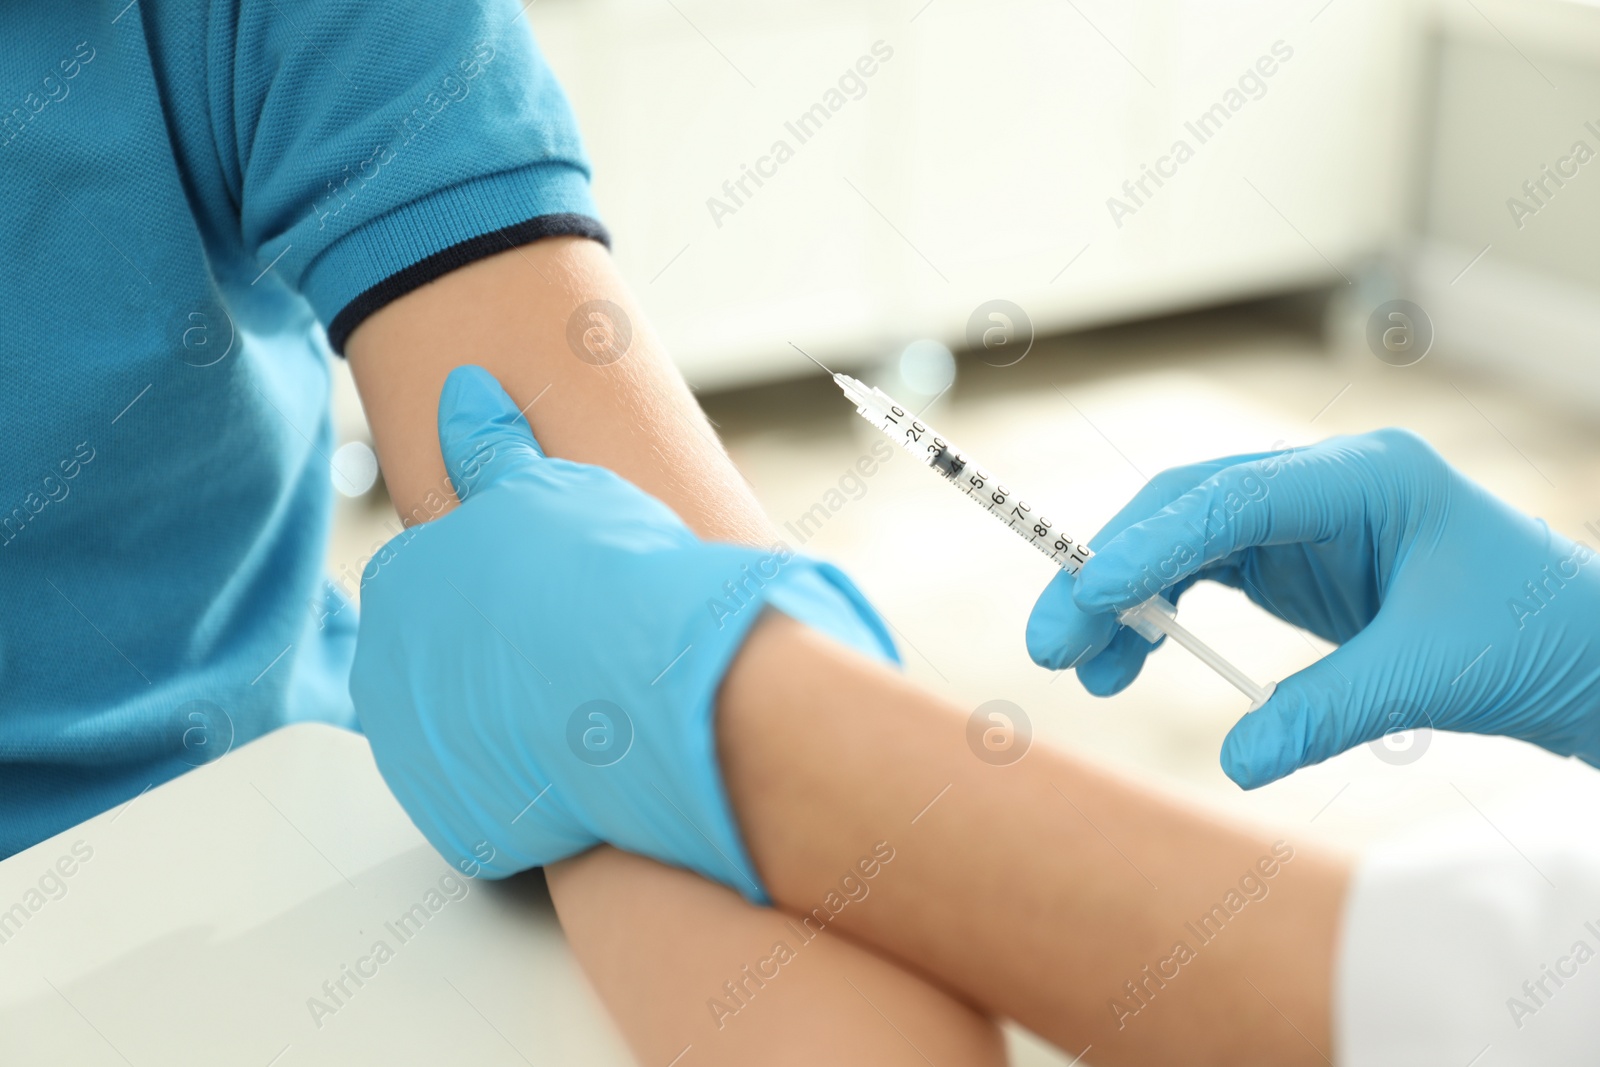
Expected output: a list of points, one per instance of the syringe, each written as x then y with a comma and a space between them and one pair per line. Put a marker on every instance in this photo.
1149, 619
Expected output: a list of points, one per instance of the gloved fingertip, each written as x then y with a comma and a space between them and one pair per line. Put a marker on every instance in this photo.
1258, 750
1240, 769
469, 387
1114, 669
1102, 677
1103, 585
1046, 650
1048, 645
481, 430
472, 401
1051, 625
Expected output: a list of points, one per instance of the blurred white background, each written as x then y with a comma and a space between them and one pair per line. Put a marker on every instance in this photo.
978, 161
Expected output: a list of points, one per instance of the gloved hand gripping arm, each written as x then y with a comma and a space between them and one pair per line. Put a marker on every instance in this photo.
537, 670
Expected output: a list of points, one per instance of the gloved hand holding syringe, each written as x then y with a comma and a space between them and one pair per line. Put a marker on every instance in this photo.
1149, 619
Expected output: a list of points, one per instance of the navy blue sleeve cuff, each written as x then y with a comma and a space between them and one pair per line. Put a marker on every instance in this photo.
456, 256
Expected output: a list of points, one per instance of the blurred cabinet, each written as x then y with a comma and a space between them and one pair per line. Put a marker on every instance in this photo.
1508, 206
976, 162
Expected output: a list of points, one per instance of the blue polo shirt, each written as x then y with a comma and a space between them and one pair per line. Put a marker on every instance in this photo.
201, 199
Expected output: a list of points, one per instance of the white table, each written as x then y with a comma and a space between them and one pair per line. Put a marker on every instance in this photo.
199, 920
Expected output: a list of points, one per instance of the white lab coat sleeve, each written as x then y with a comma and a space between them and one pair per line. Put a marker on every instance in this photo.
1473, 951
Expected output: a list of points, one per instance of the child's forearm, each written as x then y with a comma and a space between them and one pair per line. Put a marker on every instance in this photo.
1048, 890
738, 984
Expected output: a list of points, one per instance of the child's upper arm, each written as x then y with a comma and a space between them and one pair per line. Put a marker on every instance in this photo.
373, 147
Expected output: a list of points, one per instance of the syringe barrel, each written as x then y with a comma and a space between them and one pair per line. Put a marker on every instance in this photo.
937, 451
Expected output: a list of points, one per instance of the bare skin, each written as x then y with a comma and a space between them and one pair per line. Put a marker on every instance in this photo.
1033, 891
508, 314
657, 942
1036, 890
661, 944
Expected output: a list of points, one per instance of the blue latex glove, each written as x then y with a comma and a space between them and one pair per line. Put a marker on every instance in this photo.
537, 670
1450, 608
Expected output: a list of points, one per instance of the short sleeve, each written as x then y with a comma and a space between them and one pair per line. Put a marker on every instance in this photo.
376, 147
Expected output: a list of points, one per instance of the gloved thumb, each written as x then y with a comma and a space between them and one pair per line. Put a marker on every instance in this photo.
481, 433
1343, 700
1060, 634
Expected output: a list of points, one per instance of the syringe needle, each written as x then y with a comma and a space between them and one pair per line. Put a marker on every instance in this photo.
812, 358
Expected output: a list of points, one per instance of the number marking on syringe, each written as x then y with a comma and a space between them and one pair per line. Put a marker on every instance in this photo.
981, 487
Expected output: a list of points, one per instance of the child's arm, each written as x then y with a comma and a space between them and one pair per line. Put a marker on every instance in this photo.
509, 314
1051, 891
659, 943
662, 946
1048, 890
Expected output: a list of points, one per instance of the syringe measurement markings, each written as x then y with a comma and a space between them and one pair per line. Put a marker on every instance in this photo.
950, 463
